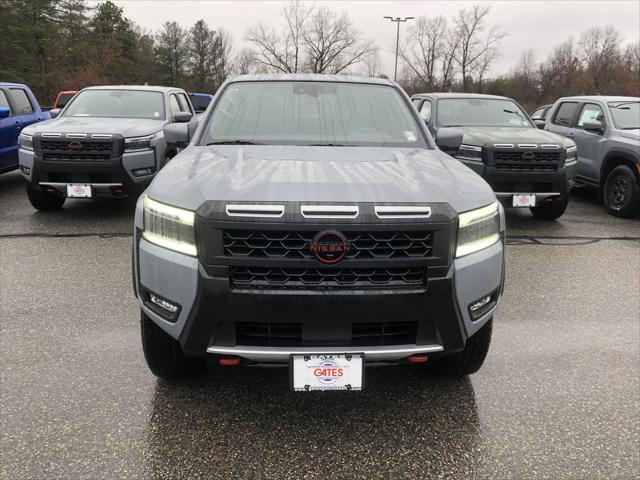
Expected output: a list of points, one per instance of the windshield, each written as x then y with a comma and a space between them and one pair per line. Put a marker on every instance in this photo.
117, 104
626, 115
199, 102
63, 99
313, 113
482, 112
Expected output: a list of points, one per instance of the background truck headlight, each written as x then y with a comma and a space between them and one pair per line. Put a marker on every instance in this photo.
25, 141
572, 154
169, 227
139, 143
478, 229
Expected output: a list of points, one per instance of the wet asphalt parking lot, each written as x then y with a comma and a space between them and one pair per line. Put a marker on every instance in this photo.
558, 397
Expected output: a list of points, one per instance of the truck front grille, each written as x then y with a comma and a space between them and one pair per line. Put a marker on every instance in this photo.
516, 156
63, 146
295, 245
388, 333
526, 160
257, 334
271, 334
327, 278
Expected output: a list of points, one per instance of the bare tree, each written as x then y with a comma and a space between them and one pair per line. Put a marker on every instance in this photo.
425, 51
632, 59
475, 50
313, 39
332, 44
562, 73
281, 52
600, 52
244, 62
371, 64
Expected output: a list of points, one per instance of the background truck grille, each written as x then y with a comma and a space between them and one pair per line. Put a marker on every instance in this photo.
62, 146
512, 161
516, 156
270, 334
327, 278
295, 245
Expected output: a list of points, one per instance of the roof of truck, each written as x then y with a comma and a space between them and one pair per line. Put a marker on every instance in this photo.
459, 95
309, 77
150, 88
10, 84
604, 98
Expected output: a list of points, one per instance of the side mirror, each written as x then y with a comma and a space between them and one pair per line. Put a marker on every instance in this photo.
54, 112
182, 117
594, 126
449, 139
177, 134
539, 122
4, 112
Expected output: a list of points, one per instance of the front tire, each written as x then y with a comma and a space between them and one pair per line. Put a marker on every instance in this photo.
164, 354
552, 210
470, 359
43, 201
621, 192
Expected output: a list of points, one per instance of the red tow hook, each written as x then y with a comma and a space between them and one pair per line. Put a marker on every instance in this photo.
230, 361
417, 358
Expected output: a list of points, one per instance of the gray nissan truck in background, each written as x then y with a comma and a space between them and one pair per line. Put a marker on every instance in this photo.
312, 222
525, 166
107, 141
607, 133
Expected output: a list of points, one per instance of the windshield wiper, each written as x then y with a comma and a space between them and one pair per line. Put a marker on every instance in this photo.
234, 142
630, 128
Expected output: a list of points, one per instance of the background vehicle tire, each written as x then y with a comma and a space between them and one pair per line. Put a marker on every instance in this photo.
43, 201
552, 210
470, 359
621, 193
164, 354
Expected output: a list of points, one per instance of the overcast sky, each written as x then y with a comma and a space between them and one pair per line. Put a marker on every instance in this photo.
539, 25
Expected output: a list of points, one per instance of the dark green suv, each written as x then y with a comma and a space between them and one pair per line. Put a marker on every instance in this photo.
525, 166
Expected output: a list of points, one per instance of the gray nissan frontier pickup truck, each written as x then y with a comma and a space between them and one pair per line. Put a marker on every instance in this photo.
311, 221
107, 142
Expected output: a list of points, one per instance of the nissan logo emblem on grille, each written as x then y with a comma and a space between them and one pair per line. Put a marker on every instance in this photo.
75, 146
528, 156
329, 247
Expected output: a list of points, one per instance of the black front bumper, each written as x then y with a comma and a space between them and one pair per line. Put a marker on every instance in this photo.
220, 315
557, 183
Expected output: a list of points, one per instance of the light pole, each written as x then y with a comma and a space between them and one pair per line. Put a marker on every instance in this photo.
398, 20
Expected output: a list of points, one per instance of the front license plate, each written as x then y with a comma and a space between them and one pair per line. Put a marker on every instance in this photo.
77, 190
327, 372
524, 200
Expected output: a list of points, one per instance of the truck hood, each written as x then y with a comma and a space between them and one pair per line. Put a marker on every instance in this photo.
318, 174
127, 127
487, 136
631, 134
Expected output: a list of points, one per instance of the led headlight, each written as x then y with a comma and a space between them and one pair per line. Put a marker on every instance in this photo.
469, 152
478, 229
572, 154
169, 227
25, 141
139, 143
